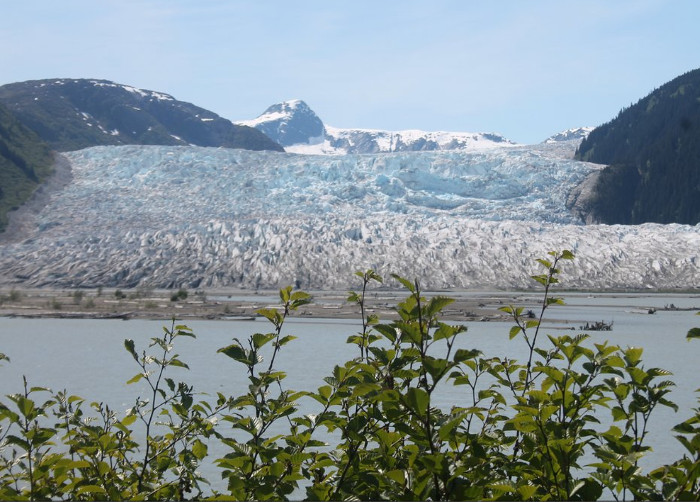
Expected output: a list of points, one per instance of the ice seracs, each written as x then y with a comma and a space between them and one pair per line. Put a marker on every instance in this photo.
212, 217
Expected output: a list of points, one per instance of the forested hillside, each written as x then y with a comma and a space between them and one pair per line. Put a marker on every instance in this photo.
25, 161
652, 150
71, 114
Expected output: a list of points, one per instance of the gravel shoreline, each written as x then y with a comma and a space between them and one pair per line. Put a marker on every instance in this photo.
231, 305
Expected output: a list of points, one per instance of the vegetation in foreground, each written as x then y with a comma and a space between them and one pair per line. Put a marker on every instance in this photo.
521, 432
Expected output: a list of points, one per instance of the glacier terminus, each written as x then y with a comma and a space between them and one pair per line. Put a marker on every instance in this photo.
186, 216
171, 216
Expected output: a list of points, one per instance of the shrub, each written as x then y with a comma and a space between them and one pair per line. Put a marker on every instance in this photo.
181, 294
78, 297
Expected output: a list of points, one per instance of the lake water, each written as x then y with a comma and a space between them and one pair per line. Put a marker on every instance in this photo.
87, 357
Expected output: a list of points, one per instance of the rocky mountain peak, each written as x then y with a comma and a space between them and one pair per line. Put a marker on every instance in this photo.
289, 123
294, 125
575, 134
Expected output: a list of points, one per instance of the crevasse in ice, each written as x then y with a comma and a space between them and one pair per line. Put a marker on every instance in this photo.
208, 217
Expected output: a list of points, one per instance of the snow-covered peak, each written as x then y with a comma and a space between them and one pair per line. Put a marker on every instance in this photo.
288, 123
295, 126
281, 111
575, 134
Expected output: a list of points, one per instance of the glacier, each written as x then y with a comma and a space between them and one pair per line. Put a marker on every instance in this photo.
179, 216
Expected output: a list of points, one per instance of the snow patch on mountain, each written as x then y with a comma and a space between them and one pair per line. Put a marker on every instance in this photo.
338, 141
212, 217
577, 134
296, 127
288, 123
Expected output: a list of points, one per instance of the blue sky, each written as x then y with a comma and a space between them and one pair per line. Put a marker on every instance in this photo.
524, 69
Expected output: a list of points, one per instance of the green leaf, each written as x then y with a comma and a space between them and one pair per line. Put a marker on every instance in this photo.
129, 345
618, 414
633, 355
464, 355
271, 314
171, 384
542, 279
514, 332
284, 294
390, 332
90, 489
199, 449
39, 389
128, 420
176, 362
26, 406
325, 391
693, 333
436, 367
362, 389
260, 339
437, 304
135, 378
300, 297
16, 440
501, 487
527, 491
78, 464
397, 476
355, 339
187, 401
286, 339
448, 331
417, 400
639, 376
532, 323
567, 255
235, 351
182, 330
446, 431
406, 283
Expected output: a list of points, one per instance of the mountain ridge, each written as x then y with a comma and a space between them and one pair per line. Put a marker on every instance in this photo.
652, 150
70, 114
298, 128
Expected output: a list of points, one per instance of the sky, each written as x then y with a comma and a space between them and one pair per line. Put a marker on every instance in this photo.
523, 69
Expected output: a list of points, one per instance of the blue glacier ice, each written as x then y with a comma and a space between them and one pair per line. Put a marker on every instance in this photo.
213, 217
199, 183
